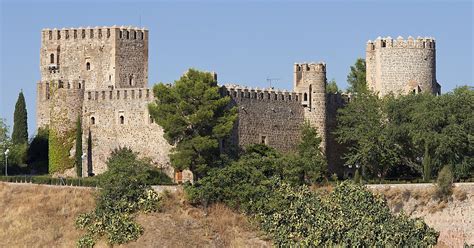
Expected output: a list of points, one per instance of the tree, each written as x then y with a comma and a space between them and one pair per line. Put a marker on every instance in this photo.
38, 152
312, 158
363, 126
332, 88
4, 141
195, 117
356, 78
20, 122
79, 147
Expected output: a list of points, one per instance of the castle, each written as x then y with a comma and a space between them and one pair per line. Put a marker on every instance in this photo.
100, 75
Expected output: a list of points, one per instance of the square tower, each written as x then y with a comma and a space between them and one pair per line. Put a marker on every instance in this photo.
99, 58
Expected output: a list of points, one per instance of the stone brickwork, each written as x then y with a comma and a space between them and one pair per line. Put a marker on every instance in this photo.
100, 74
120, 118
401, 66
310, 81
267, 116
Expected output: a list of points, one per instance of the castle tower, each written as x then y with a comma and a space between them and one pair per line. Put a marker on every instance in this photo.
402, 66
90, 59
310, 81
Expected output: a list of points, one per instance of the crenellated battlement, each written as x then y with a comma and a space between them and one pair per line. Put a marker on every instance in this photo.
118, 94
268, 94
388, 42
98, 33
312, 66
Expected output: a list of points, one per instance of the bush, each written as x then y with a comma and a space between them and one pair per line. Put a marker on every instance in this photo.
124, 192
350, 216
444, 183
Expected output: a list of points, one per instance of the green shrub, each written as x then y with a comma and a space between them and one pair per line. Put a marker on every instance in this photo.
444, 183
124, 192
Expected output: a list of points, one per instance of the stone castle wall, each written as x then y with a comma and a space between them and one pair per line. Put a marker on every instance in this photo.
120, 118
267, 117
401, 66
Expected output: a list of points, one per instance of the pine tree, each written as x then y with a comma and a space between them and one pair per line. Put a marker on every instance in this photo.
356, 78
79, 147
20, 122
194, 117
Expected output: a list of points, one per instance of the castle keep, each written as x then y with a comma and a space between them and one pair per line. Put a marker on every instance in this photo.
100, 75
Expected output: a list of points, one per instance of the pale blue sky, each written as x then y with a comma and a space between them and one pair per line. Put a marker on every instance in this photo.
244, 42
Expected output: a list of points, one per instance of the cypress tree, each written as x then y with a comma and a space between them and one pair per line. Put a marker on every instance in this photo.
20, 122
79, 147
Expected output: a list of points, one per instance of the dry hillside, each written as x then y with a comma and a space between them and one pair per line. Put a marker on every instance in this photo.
454, 219
43, 216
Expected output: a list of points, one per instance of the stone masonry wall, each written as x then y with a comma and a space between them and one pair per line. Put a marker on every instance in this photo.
402, 66
132, 59
102, 115
267, 116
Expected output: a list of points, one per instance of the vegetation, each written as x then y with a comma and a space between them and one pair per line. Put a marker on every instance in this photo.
4, 142
356, 78
410, 135
331, 87
444, 183
124, 192
294, 216
59, 147
38, 152
20, 122
78, 154
195, 118
350, 216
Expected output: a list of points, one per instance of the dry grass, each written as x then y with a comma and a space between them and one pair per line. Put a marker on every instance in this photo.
459, 194
182, 225
43, 216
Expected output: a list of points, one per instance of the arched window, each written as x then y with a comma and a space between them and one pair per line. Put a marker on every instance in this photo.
51, 58
305, 97
88, 66
122, 119
92, 120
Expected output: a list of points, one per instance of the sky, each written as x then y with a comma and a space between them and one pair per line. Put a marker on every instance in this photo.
245, 42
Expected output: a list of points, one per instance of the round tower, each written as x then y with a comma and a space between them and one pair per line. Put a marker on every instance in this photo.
310, 81
402, 66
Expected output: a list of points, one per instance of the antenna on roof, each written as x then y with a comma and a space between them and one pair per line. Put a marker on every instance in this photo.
270, 80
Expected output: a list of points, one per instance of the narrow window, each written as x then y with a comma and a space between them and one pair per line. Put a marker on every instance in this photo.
92, 120
130, 80
80, 85
67, 34
305, 97
263, 139
59, 34
134, 35
50, 35
121, 34
83, 34
88, 66
122, 119
127, 34
151, 120
91, 33
100, 34
51, 58
108, 32
75, 34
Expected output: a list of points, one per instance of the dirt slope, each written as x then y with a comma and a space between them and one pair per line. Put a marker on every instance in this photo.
43, 216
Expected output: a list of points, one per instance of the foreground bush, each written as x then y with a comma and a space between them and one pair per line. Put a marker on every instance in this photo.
124, 192
294, 216
350, 216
